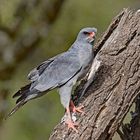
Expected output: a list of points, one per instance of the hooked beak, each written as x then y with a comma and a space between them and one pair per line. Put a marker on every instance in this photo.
91, 37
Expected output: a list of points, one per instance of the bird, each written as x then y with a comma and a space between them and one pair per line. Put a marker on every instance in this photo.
61, 71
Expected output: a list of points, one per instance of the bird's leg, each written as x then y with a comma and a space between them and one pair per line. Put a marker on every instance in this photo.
69, 121
76, 109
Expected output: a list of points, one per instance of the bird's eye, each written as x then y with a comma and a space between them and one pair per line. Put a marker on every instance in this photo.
86, 33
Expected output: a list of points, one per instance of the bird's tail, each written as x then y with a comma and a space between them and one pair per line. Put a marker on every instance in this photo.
24, 94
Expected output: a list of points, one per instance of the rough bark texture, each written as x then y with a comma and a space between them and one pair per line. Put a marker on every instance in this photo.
116, 84
130, 131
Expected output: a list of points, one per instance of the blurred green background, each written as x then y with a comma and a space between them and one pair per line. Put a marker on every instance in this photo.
30, 32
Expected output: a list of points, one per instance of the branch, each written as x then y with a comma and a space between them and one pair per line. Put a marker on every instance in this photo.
115, 86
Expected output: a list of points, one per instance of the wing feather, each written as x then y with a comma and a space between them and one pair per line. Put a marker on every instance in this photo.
59, 72
36, 72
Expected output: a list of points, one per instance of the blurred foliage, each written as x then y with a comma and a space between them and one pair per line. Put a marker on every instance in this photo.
37, 119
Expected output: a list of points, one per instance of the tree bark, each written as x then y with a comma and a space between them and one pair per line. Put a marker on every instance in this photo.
114, 87
130, 131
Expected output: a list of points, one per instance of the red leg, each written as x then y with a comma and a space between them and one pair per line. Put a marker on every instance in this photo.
76, 109
69, 121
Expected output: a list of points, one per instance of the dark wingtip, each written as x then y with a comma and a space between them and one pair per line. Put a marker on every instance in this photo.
22, 90
17, 94
21, 98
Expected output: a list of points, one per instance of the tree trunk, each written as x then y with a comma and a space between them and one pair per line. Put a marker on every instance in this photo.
116, 84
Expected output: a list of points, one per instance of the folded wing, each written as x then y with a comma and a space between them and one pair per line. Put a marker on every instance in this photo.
59, 72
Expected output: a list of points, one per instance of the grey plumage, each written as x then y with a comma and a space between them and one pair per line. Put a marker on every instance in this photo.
61, 71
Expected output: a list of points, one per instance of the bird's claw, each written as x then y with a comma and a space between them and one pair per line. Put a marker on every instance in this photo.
75, 109
78, 109
71, 125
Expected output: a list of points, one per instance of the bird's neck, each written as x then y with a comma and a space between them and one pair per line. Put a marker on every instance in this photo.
83, 45
81, 49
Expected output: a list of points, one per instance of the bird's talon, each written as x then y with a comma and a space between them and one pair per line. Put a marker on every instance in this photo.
78, 109
72, 125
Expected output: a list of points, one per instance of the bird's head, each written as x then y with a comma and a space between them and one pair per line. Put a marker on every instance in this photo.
87, 35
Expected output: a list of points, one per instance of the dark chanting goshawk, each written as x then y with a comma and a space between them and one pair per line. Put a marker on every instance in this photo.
62, 72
